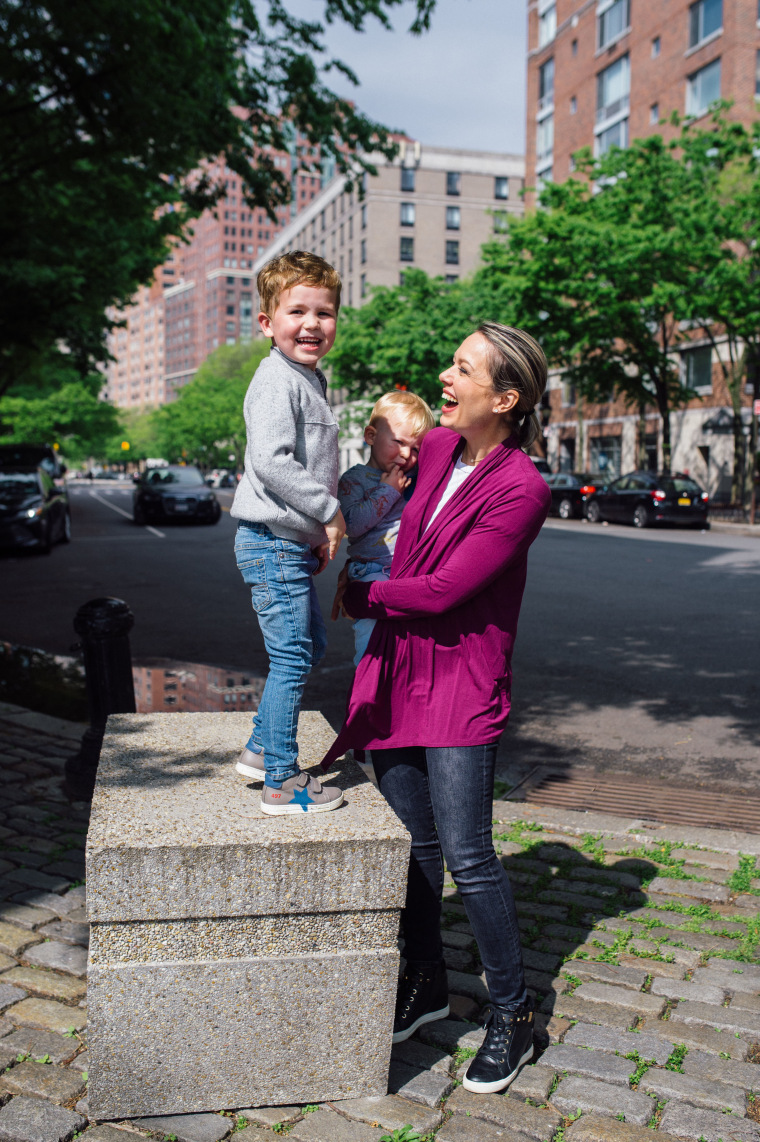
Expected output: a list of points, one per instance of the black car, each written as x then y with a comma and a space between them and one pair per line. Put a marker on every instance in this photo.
647, 498
34, 511
14, 456
570, 491
174, 493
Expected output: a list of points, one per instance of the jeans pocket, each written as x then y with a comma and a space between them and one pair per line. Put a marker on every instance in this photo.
254, 572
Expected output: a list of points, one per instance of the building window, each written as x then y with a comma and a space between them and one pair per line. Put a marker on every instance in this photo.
350, 293
363, 284
452, 182
364, 216
697, 368
407, 214
453, 217
604, 455
573, 104
654, 114
544, 140
407, 180
574, 47
406, 251
613, 86
500, 221
363, 251
613, 18
350, 261
614, 136
547, 23
703, 88
655, 47
705, 18
501, 187
546, 85
450, 278
452, 253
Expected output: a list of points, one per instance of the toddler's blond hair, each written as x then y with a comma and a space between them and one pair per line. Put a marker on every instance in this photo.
412, 407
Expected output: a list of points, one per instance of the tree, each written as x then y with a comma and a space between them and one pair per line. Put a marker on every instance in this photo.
600, 272
71, 416
205, 424
402, 337
108, 115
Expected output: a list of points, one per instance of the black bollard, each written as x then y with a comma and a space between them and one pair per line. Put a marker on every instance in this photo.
103, 626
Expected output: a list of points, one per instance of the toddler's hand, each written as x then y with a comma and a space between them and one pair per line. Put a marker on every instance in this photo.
396, 478
335, 529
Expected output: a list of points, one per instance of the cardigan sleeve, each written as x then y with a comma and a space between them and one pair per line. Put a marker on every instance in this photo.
495, 542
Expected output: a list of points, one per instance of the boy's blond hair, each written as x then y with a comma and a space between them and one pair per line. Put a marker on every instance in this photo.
412, 407
299, 267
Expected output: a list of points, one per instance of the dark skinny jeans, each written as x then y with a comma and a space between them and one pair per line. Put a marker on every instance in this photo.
444, 797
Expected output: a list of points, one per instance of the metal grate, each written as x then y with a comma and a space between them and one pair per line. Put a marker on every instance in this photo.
648, 800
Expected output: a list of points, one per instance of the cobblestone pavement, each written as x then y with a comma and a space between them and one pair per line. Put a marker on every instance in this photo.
640, 944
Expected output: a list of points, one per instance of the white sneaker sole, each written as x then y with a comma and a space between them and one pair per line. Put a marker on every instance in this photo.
430, 1017
249, 771
291, 808
500, 1084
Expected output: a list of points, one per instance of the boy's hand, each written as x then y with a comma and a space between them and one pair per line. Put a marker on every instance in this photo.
396, 478
335, 529
323, 555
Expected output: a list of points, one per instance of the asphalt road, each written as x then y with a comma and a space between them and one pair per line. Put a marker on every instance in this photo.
637, 651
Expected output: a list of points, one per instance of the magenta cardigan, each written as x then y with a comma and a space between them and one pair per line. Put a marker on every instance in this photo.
437, 671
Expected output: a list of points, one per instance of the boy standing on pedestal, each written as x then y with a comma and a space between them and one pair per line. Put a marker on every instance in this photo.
290, 519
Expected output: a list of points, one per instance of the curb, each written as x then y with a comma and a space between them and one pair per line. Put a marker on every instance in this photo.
42, 723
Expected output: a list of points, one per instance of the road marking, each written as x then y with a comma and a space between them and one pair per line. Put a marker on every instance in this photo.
127, 515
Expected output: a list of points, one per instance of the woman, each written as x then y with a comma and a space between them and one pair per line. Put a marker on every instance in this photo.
432, 694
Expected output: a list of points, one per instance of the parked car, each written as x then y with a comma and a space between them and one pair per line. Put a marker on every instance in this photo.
647, 498
33, 456
221, 478
34, 510
570, 491
174, 493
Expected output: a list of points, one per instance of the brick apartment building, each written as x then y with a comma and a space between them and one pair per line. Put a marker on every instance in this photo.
600, 73
431, 208
162, 685
201, 296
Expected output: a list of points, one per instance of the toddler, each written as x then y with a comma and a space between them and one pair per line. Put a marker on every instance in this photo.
290, 518
372, 495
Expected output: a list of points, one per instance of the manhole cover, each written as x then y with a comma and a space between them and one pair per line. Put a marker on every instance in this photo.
629, 796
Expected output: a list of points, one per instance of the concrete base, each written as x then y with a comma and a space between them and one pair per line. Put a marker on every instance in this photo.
235, 959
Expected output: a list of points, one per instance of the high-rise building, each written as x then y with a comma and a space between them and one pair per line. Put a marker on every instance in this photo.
431, 208
602, 72
201, 296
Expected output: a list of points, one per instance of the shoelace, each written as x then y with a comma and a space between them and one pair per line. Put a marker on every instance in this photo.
412, 979
499, 1026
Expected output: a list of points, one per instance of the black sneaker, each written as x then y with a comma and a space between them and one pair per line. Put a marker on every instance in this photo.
423, 997
507, 1046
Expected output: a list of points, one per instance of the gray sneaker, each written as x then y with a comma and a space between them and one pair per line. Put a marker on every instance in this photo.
251, 765
300, 794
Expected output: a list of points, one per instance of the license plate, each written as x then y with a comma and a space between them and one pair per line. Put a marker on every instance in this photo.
183, 507
684, 502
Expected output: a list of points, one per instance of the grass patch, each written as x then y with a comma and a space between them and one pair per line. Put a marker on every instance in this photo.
741, 878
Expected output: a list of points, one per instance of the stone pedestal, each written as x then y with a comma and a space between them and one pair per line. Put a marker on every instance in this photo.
236, 959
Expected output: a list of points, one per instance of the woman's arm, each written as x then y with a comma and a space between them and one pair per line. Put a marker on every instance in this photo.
494, 543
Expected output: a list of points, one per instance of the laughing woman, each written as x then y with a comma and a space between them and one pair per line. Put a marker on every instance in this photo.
432, 694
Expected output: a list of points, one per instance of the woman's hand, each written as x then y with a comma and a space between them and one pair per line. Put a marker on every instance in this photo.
396, 478
337, 607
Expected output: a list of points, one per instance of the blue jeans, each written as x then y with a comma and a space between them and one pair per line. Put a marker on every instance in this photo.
444, 797
280, 575
368, 572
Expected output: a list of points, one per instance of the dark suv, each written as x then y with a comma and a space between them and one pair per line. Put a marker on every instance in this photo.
647, 498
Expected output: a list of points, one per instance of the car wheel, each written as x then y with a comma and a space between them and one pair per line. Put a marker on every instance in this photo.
593, 512
138, 515
641, 516
566, 509
66, 530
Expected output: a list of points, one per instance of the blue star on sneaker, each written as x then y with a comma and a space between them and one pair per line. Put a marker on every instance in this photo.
302, 798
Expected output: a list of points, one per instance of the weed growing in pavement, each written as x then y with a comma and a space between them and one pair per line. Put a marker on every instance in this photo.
642, 1066
462, 1054
676, 1057
592, 843
516, 830
573, 982
571, 1118
403, 1134
741, 879
654, 1121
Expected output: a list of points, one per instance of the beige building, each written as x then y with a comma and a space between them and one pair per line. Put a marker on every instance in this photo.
431, 208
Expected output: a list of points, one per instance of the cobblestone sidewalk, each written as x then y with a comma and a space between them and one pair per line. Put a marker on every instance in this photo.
640, 943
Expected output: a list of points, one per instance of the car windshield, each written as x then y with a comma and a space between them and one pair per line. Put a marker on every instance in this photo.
182, 476
18, 483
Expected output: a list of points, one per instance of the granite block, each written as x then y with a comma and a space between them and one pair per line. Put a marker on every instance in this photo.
77, 934
58, 1048
595, 1128
622, 1043
175, 833
717, 1070
10, 995
696, 1091
427, 1087
694, 1125
266, 1116
421, 1057
47, 983
591, 1096
217, 929
187, 1127
43, 1080
563, 1058
325, 1125
36, 1120
47, 1015
506, 1113
14, 939
59, 956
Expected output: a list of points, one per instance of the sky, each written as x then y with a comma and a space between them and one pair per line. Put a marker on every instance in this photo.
462, 84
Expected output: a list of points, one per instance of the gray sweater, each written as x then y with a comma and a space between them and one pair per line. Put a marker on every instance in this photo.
290, 481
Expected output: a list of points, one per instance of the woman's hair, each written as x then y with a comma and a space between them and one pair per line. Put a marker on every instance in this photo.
517, 362
412, 407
